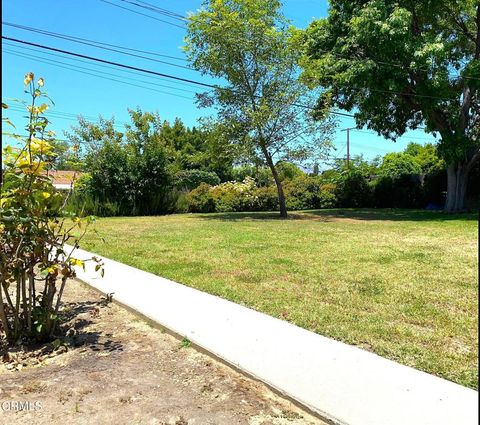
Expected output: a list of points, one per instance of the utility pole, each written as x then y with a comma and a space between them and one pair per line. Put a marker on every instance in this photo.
348, 143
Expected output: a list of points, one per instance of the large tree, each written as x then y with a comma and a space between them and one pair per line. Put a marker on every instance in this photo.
404, 64
261, 106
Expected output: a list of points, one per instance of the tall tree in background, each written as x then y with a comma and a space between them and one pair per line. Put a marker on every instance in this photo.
248, 43
195, 148
403, 64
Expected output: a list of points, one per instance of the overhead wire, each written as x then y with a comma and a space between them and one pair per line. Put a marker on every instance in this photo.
161, 74
393, 64
92, 44
19, 108
154, 8
151, 7
399, 137
75, 69
135, 68
62, 116
102, 65
71, 37
53, 62
180, 78
142, 70
144, 14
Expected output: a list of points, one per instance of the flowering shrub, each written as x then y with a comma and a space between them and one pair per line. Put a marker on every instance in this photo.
302, 192
265, 198
234, 196
34, 263
200, 200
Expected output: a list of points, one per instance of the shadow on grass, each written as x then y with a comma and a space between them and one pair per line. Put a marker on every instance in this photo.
327, 215
242, 216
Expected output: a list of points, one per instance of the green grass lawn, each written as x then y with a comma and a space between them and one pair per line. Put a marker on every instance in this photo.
402, 284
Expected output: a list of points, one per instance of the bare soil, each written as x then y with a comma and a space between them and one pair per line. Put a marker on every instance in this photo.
110, 367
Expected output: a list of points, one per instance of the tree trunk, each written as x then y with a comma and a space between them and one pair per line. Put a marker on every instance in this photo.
457, 177
278, 183
3, 316
281, 197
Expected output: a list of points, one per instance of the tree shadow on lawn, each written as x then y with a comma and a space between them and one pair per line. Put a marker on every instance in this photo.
361, 214
242, 216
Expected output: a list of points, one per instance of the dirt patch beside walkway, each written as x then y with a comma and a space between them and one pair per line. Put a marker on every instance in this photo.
116, 369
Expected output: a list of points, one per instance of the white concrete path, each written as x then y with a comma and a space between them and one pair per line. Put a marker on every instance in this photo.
341, 383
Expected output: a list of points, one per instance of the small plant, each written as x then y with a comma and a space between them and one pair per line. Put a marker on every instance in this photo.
186, 343
34, 229
108, 298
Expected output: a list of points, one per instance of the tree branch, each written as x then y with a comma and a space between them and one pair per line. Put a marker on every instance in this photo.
473, 159
461, 25
477, 42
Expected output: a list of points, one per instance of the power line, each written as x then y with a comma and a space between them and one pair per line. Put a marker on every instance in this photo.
143, 70
160, 74
72, 39
74, 118
143, 14
157, 9
98, 64
14, 136
18, 108
149, 6
369, 89
77, 68
379, 62
341, 150
391, 64
399, 137
360, 146
66, 36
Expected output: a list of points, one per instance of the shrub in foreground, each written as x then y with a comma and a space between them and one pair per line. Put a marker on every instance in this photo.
34, 263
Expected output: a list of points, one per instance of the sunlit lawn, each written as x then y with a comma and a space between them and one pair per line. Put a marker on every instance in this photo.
400, 283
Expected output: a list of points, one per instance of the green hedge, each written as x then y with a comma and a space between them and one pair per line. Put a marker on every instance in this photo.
302, 192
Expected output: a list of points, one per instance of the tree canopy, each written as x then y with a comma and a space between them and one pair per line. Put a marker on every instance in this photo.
402, 65
262, 106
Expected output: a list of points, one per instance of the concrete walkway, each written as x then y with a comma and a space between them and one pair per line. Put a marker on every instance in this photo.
343, 384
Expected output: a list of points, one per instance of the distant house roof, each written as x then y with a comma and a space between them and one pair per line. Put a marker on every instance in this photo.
63, 179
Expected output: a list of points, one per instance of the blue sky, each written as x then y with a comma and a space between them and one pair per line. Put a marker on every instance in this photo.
81, 87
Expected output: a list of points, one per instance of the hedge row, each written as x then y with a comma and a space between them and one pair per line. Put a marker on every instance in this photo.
352, 190
303, 192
